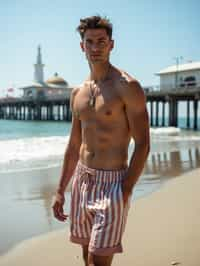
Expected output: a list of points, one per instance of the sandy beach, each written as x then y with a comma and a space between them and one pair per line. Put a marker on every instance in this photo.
162, 229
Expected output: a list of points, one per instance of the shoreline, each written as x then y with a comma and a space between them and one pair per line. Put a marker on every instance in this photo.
171, 235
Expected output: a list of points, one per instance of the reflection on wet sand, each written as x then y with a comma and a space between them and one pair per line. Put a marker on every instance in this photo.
27, 196
171, 164
41, 189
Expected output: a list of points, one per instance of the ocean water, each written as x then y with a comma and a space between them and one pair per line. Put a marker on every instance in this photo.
31, 155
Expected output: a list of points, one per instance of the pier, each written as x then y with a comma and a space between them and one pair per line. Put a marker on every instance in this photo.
162, 105
157, 101
53, 109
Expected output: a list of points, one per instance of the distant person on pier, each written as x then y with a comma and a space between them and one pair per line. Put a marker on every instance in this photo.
109, 109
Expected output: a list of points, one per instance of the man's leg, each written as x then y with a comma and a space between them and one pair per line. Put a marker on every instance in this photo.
94, 260
85, 254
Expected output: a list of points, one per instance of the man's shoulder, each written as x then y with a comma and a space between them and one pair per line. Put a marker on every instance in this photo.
80, 87
125, 77
74, 92
127, 83
76, 89
130, 90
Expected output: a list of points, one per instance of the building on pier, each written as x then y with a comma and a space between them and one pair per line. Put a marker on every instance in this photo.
53, 87
41, 100
180, 76
178, 84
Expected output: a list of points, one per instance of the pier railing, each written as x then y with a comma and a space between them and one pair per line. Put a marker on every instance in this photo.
171, 88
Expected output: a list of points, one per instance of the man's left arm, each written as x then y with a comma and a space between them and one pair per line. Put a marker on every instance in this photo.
137, 115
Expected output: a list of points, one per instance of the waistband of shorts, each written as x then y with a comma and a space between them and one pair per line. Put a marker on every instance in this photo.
101, 175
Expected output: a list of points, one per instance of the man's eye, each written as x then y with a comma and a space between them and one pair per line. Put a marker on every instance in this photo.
89, 41
102, 42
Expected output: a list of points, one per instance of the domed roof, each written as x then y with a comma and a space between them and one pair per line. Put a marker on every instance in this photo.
56, 80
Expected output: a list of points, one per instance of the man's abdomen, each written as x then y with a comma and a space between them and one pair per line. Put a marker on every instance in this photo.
110, 158
105, 144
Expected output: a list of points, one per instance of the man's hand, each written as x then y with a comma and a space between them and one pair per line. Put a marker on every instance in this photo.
57, 207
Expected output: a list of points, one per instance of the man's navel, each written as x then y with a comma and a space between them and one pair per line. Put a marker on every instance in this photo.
108, 112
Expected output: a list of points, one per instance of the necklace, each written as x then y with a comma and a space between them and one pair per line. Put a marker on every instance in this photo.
93, 95
94, 92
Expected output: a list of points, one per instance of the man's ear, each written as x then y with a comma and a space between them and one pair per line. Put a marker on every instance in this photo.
112, 44
82, 46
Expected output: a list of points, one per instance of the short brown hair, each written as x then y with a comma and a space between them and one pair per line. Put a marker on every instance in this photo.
95, 22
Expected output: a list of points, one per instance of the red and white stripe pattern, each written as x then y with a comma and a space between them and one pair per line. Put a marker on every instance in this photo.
97, 214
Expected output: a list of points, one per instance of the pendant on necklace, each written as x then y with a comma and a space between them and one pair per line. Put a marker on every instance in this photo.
92, 101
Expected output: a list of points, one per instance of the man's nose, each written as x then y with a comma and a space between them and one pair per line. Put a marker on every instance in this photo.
95, 47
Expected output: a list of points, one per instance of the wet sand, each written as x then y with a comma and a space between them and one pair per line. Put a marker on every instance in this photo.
162, 229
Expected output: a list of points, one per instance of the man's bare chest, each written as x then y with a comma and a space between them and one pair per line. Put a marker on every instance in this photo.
103, 105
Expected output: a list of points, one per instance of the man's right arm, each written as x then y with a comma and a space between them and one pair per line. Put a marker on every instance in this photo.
69, 163
72, 151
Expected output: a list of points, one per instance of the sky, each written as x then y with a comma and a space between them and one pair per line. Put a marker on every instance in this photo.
148, 36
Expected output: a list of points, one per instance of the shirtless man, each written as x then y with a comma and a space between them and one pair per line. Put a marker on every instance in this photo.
108, 109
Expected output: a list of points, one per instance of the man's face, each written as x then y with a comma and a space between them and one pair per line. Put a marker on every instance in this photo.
96, 45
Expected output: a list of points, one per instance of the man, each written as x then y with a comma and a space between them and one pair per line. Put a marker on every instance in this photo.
108, 110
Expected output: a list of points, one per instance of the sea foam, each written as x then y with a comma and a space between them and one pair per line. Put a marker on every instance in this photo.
48, 148
32, 148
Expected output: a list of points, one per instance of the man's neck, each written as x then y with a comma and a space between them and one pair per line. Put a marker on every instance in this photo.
99, 72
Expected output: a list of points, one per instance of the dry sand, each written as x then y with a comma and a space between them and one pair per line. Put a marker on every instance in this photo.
162, 229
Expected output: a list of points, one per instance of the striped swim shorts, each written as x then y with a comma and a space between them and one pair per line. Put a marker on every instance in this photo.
98, 215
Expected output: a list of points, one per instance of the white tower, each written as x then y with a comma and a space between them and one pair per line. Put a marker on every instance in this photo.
39, 74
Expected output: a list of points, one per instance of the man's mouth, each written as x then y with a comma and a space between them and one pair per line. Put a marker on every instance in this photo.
95, 55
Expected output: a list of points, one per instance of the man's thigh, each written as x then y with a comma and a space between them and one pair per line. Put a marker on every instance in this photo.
99, 260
